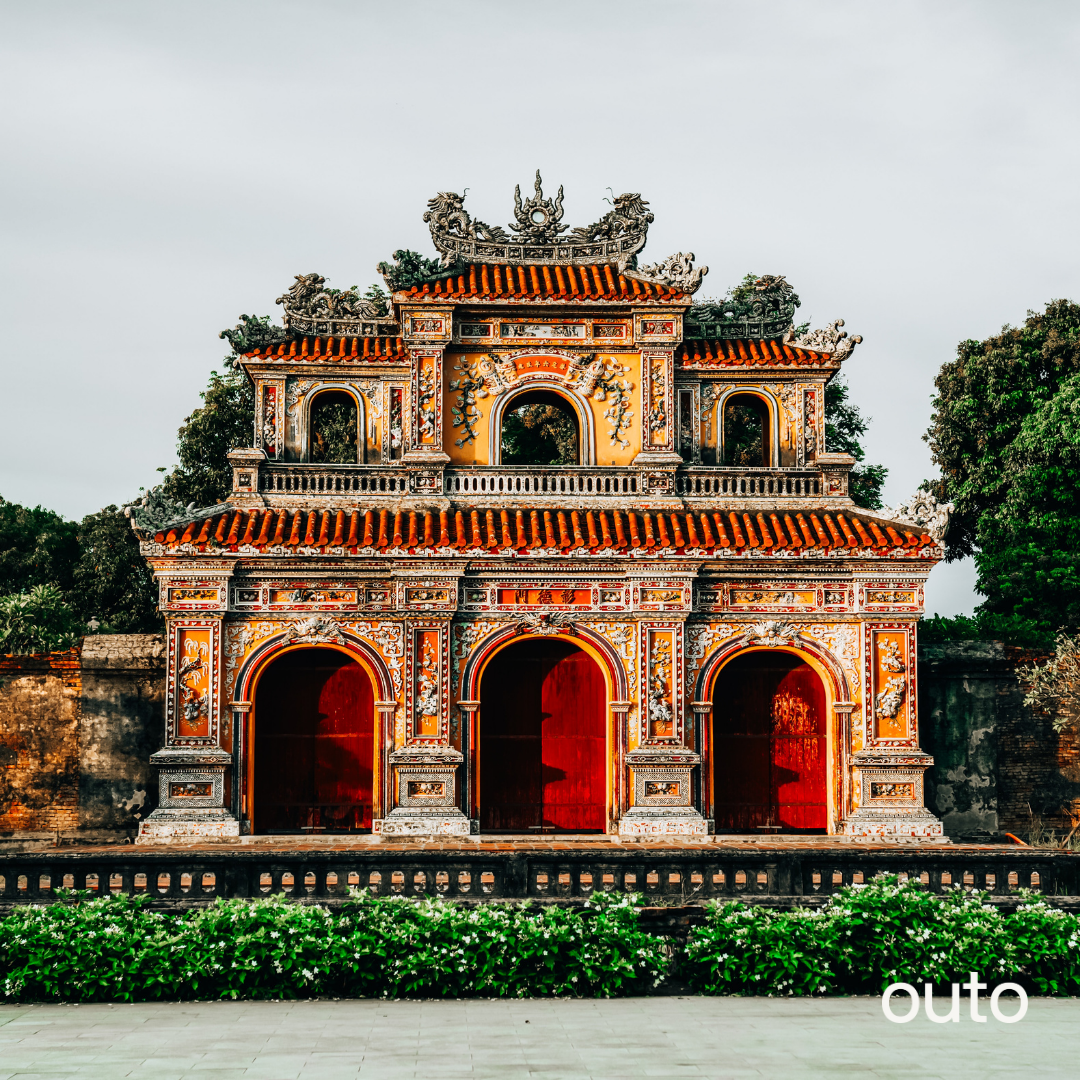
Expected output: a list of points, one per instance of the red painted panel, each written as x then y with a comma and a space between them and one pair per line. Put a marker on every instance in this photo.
769, 745
314, 744
542, 749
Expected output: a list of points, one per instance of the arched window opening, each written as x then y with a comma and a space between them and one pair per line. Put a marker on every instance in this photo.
334, 429
747, 437
540, 427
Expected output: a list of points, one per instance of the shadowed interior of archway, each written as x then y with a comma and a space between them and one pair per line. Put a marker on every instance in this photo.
542, 746
540, 427
747, 438
314, 744
769, 745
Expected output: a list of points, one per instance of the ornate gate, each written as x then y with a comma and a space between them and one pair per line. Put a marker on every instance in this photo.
769, 745
542, 747
314, 745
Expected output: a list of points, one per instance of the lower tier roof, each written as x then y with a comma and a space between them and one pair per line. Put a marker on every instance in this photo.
543, 530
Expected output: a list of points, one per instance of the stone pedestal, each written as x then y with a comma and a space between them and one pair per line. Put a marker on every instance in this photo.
427, 798
661, 787
191, 798
888, 792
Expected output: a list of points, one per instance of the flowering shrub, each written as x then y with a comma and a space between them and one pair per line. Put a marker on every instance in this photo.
117, 949
868, 936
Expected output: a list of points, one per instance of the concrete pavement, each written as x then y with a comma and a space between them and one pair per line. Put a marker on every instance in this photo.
658, 1037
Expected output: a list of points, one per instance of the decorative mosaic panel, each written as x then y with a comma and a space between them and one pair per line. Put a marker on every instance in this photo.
428, 678
890, 680
192, 684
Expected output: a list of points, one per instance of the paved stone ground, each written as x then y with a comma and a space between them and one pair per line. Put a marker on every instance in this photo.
538, 1039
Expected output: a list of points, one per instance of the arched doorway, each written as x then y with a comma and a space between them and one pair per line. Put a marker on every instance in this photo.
314, 744
334, 436
769, 745
542, 745
540, 427
746, 435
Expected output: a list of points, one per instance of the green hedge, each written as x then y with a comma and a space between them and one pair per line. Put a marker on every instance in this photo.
867, 936
117, 949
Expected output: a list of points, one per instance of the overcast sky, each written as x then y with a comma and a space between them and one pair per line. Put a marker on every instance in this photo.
911, 167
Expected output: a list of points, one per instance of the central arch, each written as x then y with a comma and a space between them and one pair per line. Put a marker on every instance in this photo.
313, 751
542, 745
770, 745
532, 385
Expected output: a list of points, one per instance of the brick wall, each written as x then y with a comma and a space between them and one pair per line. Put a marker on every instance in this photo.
76, 733
39, 742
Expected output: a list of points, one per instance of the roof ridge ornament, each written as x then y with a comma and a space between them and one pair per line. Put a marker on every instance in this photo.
762, 309
829, 339
924, 511
675, 272
538, 218
313, 309
616, 238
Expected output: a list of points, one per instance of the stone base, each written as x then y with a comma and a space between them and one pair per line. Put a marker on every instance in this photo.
405, 821
883, 823
653, 823
176, 826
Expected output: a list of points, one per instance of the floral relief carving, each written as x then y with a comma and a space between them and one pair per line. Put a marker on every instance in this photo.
390, 639
701, 641
240, 638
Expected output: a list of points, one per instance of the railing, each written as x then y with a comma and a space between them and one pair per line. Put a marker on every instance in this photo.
333, 480
705, 482
782, 876
551, 482
527, 480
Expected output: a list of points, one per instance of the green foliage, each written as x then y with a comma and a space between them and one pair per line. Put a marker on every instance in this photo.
744, 433
844, 427
112, 582
38, 621
1006, 438
334, 429
115, 949
539, 435
868, 936
37, 547
224, 421
984, 626
379, 298
409, 268
1054, 686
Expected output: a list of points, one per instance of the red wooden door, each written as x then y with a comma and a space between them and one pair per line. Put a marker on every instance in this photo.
769, 745
542, 748
314, 745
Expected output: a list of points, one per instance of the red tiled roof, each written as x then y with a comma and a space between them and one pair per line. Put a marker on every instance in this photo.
385, 349
562, 282
743, 353
526, 529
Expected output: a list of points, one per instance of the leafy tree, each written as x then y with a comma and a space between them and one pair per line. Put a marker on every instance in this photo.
37, 547
1006, 438
224, 422
539, 434
38, 621
333, 429
844, 427
112, 582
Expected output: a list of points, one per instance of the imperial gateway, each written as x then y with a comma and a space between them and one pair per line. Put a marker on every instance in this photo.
690, 627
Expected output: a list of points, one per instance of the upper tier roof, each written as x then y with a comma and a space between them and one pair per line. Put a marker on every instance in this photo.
567, 283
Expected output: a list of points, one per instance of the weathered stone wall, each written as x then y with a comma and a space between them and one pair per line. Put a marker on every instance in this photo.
993, 757
39, 743
77, 730
121, 723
